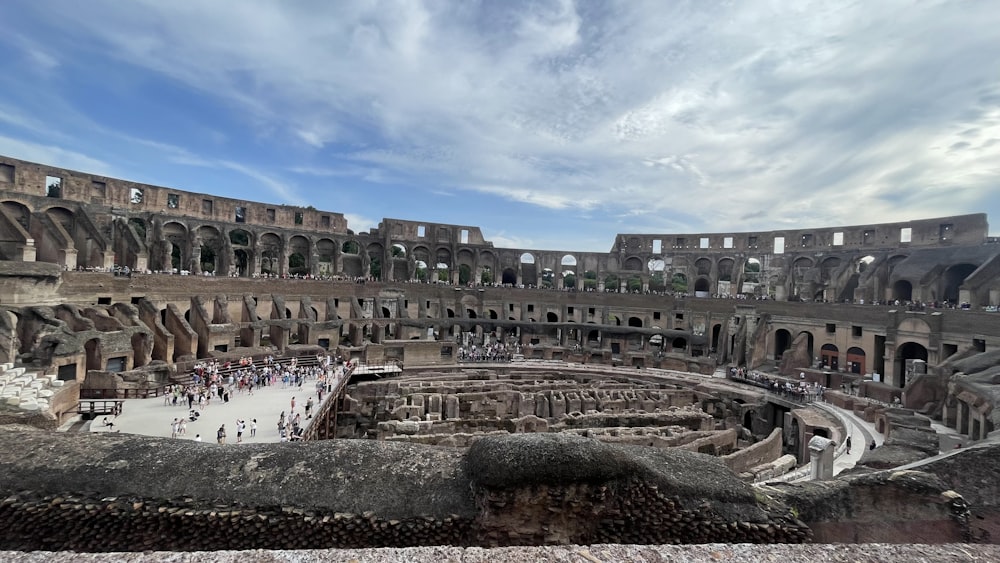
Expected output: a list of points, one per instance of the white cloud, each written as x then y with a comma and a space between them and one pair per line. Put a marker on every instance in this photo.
360, 223
53, 155
688, 116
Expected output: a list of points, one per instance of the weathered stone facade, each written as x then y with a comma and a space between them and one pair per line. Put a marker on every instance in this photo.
877, 300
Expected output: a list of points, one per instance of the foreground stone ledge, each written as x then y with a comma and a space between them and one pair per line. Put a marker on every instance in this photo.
605, 553
106, 493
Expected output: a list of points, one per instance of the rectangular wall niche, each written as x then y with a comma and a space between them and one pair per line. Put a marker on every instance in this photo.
53, 186
727, 242
241, 214
779, 245
703, 243
657, 246
6, 173
838, 239
207, 206
421, 231
464, 233
905, 234
173, 201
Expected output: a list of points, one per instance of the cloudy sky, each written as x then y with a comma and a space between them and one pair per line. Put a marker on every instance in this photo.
548, 124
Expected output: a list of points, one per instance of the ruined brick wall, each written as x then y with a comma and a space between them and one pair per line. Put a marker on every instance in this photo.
764, 451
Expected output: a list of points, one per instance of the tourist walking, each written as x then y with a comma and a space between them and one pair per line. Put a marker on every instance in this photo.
220, 436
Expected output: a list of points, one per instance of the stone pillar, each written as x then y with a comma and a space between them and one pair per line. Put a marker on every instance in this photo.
821, 458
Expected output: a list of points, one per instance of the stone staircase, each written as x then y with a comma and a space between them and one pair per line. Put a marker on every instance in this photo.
26, 389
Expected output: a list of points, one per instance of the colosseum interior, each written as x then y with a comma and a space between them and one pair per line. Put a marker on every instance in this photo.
538, 396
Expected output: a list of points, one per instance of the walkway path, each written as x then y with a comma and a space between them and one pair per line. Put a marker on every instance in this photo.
151, 417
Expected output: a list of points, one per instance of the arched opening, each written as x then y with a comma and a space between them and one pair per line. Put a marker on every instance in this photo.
207, 259
906, 353
95, 359
679, 283
634, 283
375, 265
635, 322
270, 251
902, 290
509, 277
716, 330
632, 264
830, 357
863, 263
529, 271
420, 270
856, 360
137, 224
657, 280
297, 264
547, 277
242, 264
701, 287
782, 341
486, 276
953, 279
551, 317
590, 280
612, 283
809, 342
679, 344
464, 274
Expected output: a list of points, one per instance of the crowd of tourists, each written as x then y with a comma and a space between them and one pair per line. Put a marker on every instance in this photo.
491, 353
219, 382
800, 390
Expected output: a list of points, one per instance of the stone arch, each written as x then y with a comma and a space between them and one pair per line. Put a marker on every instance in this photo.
782, 342
657, 268
902, 290
271, 248
508, 276
176, 253
352, 262
612, 282
64, 217
529, 269
551, 317
907, 351
19, 212
632, 263
809, 342
299, 256
830, 356
568, 271
702, 287
863, 263
703, 267
634, 283
635, 322
326, 256
466, 262
488, 266
376, 269
548, 277
442, 263
725, 268
827, 268
856, 360
211, 250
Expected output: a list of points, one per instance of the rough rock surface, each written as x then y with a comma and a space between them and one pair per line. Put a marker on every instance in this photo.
106, 492
707, 553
